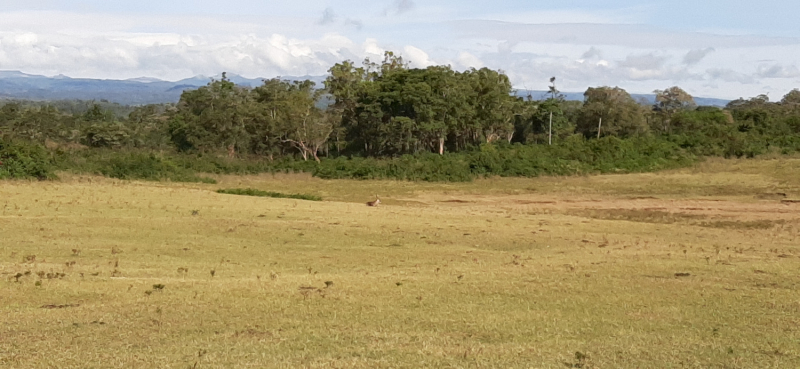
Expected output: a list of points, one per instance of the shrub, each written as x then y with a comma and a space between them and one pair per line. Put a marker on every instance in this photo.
575, 156
144, 166
24, 160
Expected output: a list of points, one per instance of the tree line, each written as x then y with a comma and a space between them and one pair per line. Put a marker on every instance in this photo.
388, 110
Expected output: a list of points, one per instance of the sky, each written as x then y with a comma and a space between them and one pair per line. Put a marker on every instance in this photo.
711, 48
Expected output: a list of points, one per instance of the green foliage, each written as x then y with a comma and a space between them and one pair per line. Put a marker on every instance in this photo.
178, 167
76, 107
669, 102
577, 156
421, 167
386, 120
274, 119
106, 134
259, 193
620, 114
288, 116
391, 110
131, 165
213, 118
19, 160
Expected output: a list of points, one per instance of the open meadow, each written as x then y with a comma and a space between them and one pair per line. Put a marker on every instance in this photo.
690, 268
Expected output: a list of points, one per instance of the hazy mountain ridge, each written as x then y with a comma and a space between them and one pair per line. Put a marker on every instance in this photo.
145, 90
649, 98
134, 91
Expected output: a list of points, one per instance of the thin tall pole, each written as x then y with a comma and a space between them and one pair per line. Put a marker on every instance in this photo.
550, 138
598, 127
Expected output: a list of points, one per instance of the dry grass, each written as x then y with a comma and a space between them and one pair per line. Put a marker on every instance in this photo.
692, 268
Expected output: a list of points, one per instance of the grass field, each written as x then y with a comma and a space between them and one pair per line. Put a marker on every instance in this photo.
694, 268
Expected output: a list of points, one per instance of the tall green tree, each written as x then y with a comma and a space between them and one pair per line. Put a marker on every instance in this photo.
792, 98
214, 117
669, 102
291, 116
495, 107
621, 115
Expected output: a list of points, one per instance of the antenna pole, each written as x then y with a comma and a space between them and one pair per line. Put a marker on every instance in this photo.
598, 127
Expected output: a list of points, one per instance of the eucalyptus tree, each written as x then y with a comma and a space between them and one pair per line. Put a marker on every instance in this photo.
289, 115
611, 111
346, 84
391, 109
494, 105
669, 102
214, 117
792, 98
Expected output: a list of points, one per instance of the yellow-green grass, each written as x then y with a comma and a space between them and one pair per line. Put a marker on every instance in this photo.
502, 272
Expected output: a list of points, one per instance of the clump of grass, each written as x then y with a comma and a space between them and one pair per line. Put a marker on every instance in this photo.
259, 193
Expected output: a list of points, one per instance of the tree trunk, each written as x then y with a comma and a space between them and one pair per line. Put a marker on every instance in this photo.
441, 145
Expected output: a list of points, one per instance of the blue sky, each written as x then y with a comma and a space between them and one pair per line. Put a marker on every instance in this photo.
713, 48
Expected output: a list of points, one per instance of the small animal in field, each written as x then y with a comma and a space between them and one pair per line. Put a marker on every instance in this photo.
374, 203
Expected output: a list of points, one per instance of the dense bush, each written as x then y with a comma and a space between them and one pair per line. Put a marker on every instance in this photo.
24, 160
576, 156
127, 165
177, 167
209, 163
422, 167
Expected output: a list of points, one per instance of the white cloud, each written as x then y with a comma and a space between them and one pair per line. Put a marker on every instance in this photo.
729, 75
328, 17
354, 23
637, 36
417, 57
173, 56
467, 60
778, 71
399, 7
592, 53
648, 61
696, 55
371, 46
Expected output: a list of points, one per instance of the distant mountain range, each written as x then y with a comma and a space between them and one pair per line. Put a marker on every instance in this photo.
135, 91
140, 91
648, 99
